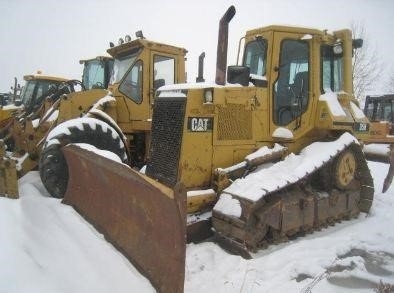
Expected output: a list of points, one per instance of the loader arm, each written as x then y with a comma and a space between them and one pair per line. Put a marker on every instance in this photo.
143, 219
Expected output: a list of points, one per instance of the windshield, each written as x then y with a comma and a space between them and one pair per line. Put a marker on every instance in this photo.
27, 92
93, 74
380, 110
35, 91
121, 65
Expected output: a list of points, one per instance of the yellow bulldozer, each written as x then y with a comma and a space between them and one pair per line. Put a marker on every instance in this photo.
146, 63
380, 108
380, 111
274, 152
121, 121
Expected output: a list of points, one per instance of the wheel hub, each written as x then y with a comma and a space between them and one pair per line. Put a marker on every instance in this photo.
345, 169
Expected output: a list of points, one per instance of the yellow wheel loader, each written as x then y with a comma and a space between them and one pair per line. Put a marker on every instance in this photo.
32, 95
21, 135
273, 153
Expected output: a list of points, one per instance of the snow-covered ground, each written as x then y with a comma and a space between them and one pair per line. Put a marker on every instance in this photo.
46, 246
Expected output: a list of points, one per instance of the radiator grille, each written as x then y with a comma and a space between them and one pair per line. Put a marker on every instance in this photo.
167, 126
234, 123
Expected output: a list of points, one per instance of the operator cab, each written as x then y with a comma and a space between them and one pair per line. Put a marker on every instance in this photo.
284, 59
97, 72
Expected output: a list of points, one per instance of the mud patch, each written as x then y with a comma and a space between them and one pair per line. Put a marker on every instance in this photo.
379, 264
352, 282
301, 277
375, 263
348, 270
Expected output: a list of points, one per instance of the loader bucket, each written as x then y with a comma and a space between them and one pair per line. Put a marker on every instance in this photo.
143, 219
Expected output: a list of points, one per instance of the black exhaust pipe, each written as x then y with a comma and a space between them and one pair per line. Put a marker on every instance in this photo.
221, 57
200, 77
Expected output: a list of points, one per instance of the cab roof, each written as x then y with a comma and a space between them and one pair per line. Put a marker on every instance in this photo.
285, 28
100, 58
324, 35
138, 43
39, 76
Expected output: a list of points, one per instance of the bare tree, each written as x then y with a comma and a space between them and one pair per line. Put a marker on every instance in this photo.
366, 65
390, 82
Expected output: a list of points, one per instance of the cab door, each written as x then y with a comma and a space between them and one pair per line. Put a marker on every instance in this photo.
290, 83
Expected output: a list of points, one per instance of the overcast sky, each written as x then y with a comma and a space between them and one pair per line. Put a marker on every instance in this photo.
52, 36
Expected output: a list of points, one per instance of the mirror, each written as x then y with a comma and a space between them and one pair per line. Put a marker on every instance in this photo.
238, 74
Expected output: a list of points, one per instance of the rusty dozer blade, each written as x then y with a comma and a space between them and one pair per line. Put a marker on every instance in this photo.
143, 219
8, 175
390, 173
387, 158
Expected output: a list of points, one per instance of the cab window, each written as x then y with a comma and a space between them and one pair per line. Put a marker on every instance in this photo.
131, 85
121, 64
255, 56
332, 68
27, 92
93, 74
163, 70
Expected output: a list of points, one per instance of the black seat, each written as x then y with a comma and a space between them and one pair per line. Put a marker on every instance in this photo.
158, 83
300, 85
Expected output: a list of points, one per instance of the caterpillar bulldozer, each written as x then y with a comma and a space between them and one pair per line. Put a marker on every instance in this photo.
121, 121
270, 152
23, 145
379, 108
380, 111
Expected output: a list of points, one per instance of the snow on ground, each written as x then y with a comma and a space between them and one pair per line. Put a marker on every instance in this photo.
47, 247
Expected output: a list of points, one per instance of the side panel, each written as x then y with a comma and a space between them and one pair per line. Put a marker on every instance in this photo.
196, 160
241, 124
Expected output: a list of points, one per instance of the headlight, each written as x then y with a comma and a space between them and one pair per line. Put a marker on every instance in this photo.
208, 96
337, 49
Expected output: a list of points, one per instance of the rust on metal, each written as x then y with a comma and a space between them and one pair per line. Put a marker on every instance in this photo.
221, 56
315, 201
390, 173
8, 175
145, 220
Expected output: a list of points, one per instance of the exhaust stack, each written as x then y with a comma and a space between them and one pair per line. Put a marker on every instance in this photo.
221, 58
200, 77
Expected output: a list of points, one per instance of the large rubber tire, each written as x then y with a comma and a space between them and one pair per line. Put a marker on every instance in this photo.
52, 164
